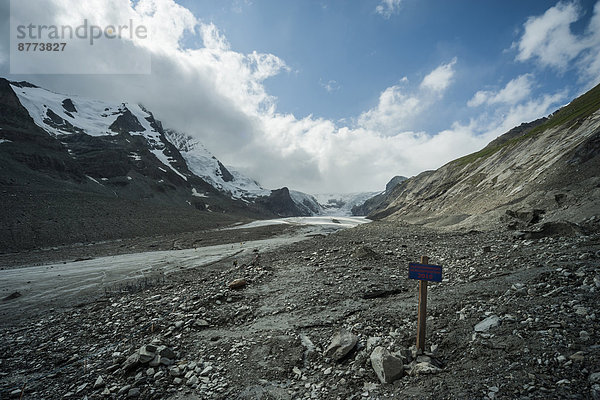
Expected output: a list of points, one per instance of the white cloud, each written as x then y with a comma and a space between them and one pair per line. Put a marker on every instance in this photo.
514, 92
548, 40
398, 107
440, 78
217, 95
388, 7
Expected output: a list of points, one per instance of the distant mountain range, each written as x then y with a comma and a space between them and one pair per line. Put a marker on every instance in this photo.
83, 170
545, 171
133, 173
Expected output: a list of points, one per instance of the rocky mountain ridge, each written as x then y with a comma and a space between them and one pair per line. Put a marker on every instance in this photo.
549, 168
376, 201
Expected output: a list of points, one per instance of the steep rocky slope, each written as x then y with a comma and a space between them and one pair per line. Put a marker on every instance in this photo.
379, 200
545, 171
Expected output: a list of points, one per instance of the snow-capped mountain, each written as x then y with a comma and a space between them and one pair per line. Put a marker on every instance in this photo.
205, 165
122, 147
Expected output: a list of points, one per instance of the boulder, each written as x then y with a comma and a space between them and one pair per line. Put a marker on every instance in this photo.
166, 352
341, 344
387, 367
490, 322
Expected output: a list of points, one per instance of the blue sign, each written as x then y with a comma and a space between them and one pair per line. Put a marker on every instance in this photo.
425, 272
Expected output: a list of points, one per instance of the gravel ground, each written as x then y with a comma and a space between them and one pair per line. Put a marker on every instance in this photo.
512, 319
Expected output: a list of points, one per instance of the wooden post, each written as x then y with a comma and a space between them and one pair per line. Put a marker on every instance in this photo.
422, 316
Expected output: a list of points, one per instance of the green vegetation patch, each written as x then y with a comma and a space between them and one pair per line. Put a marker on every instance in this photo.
575, 112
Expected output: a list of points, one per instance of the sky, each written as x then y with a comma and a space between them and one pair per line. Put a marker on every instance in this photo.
331, 96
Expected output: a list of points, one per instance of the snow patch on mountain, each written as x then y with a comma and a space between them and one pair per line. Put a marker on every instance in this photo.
61, 115
92, 117
203, 164
195, 193
340, 204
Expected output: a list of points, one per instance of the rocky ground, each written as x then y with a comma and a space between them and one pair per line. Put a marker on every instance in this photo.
513, 318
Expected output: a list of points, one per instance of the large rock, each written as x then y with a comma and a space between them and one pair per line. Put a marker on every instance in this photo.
490, 322
552, 229
147, 353
167, 352
341, 344
387, 367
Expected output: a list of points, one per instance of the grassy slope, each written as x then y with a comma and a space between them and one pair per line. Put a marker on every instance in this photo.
573, 113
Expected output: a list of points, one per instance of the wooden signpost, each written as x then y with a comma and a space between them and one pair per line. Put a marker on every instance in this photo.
423, 272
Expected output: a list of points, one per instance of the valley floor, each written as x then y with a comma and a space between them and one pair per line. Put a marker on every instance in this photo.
266, 340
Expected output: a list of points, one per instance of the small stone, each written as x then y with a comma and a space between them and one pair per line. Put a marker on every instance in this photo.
595, 392
424, 368
131, 362
200, 324
167, 352
147, 353
12, 296
133, 393
206, 371
297, 372
99, 383
579, 356
166, 361
155, 361
237, 284
490, 322
177, 381
387, 367
341, 344
175, 371
594, 378
81, 388
327, 371
192, 381
434, 349
123, 390
150, 372
373, 342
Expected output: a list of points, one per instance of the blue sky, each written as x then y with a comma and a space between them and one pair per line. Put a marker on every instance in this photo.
338, 96
342, 54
